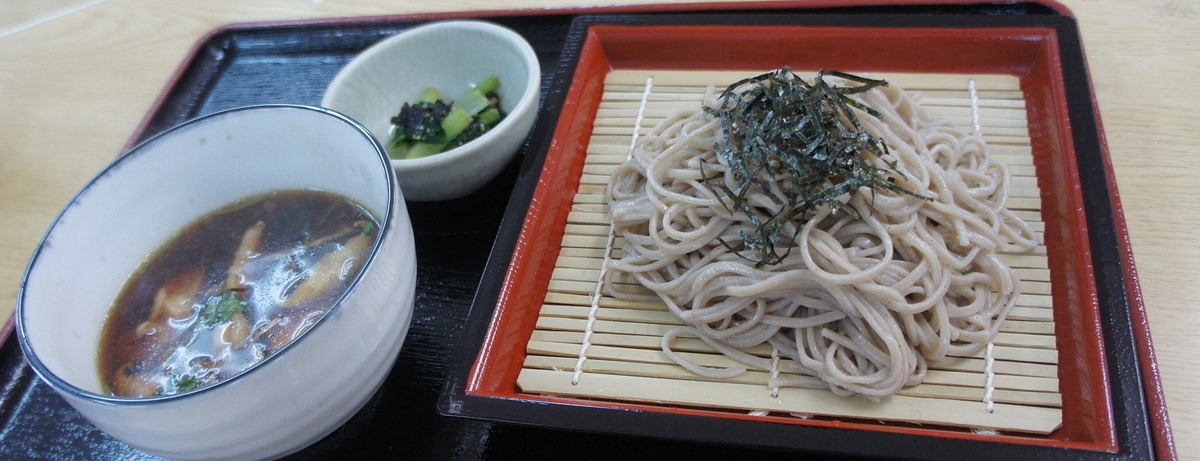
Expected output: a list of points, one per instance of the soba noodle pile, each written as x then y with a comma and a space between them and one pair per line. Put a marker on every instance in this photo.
865, 298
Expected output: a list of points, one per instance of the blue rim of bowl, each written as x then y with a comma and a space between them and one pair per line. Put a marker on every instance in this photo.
528, 101
62, 385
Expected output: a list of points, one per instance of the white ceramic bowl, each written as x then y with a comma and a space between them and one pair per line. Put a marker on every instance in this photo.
294, 397
451, 56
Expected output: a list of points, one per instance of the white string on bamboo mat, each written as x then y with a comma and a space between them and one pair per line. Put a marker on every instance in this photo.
974, 107
608, 247
989, 375
774, 372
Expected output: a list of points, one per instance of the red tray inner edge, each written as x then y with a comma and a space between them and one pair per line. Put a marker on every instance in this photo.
1029, 53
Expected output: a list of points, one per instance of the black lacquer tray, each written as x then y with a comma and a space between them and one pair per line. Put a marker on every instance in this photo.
292, 63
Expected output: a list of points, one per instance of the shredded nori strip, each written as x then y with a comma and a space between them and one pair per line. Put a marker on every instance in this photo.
803, 139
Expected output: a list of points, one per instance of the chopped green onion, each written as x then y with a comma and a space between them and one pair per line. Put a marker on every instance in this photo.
183, 383
424, 149
430, 94
472, 103
490, 117
488, 85
398, 150
455, 122
218, 310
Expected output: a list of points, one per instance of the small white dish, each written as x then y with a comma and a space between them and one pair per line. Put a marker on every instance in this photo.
451, 56
288, 400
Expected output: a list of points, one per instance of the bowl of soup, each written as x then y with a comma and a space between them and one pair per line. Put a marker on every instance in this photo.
236, 287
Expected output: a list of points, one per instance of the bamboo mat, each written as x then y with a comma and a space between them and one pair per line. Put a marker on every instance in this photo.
624, 361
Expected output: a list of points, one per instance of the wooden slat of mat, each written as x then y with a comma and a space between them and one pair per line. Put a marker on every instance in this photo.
621, 367
626, 338
1021, 418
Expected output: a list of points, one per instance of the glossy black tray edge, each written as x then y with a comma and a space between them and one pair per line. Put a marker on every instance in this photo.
290, 63
1133, 429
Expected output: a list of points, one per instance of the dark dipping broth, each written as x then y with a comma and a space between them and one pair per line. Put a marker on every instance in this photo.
232, 288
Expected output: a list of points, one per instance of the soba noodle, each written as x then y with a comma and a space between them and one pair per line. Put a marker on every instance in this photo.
862, 303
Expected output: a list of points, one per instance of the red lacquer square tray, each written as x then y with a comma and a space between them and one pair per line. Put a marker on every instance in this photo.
1111, 400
